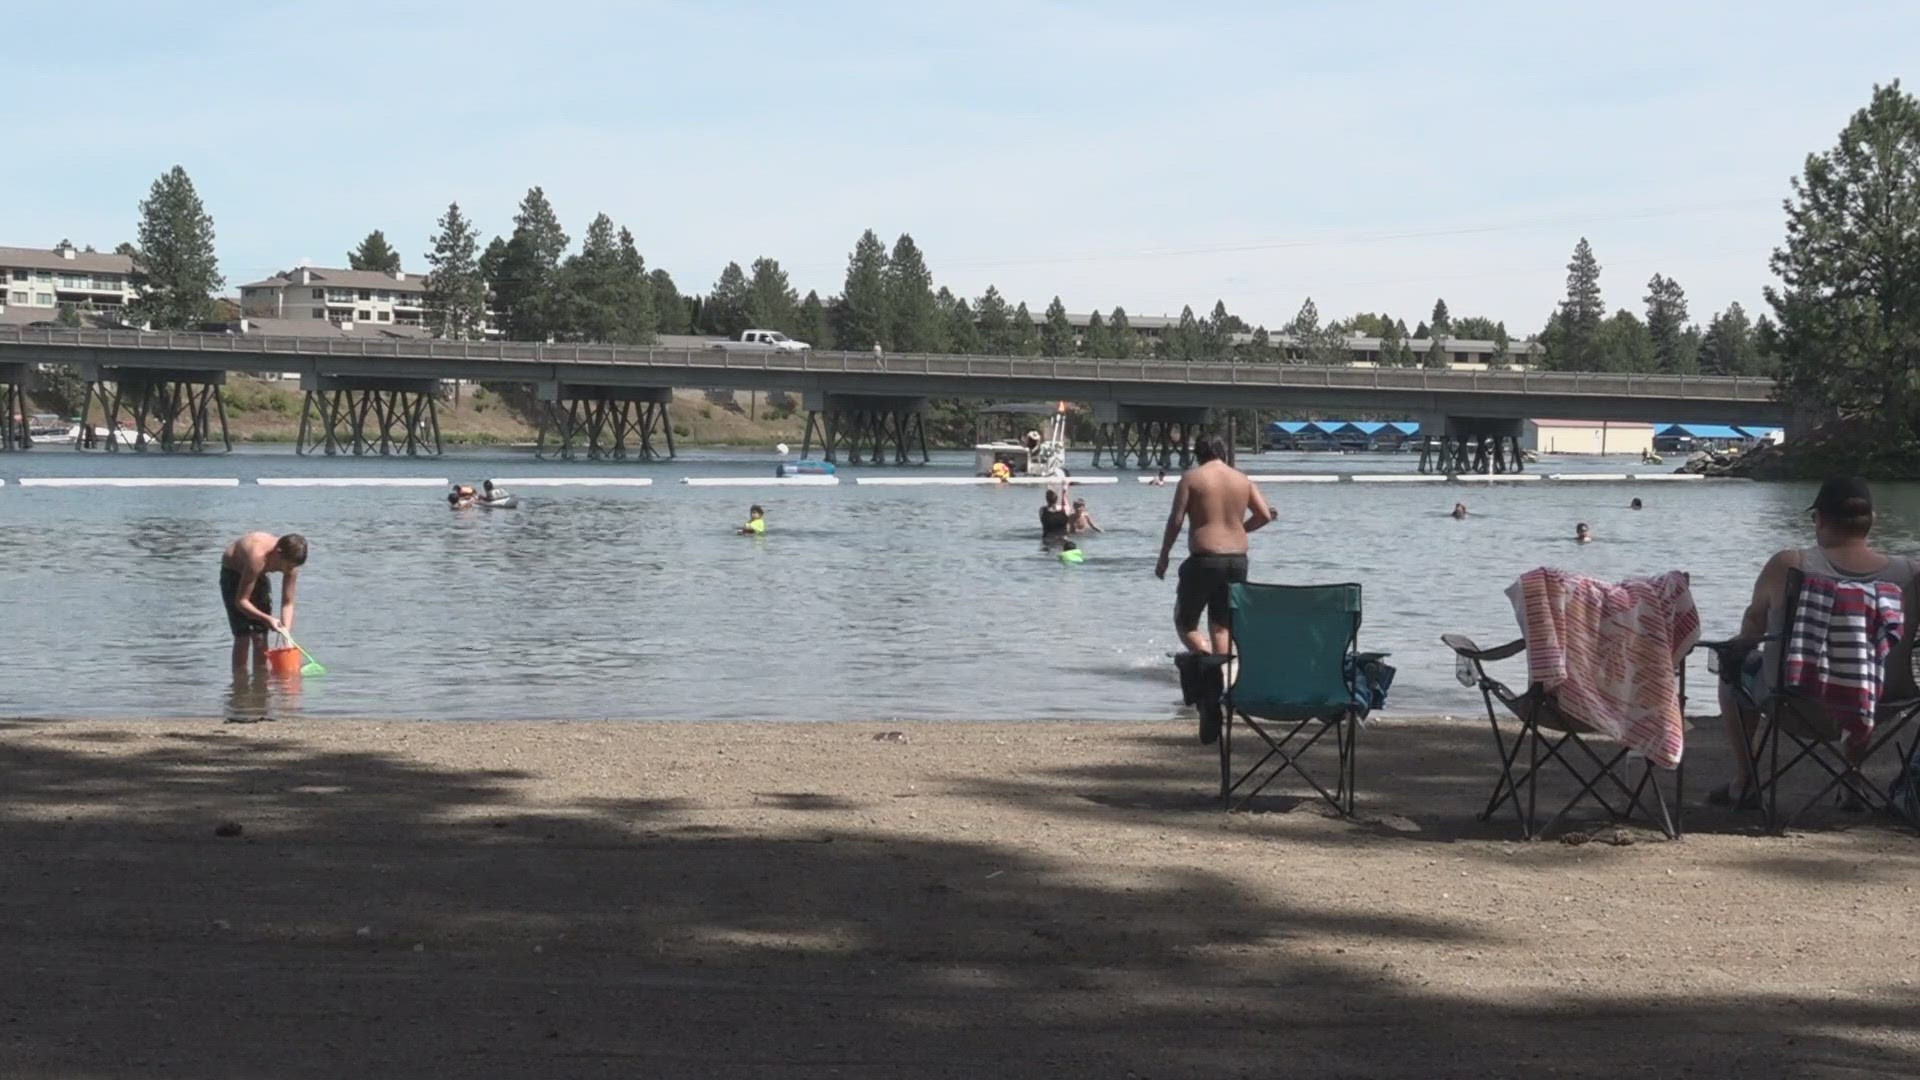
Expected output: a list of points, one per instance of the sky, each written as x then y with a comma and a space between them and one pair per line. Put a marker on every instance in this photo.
1370, 155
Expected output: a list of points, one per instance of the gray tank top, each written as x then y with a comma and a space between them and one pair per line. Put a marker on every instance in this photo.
1898, 571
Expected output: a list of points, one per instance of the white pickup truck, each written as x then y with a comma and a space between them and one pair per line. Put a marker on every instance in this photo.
760, 341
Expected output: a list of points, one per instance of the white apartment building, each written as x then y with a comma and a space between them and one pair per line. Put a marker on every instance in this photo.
371, 298
35, 283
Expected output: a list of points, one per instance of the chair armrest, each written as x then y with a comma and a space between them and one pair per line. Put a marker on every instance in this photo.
1465, 646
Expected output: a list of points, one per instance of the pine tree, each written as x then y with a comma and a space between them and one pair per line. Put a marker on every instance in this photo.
772, 304
456, 297
1261, 349
1306, 323
811, 323
1849, 302
1502, 348
1423, 332
1023, 338
637, 317
1667, 326
374, 254
1442, 323
961, 334
726, 311
1729, 347
861, 316
1185, 342
526, 283
1393, 347
174, 267
1583, 306
996, 323
603, 294
913, 318
669, 308
1120, 332
1622, 344
1096, 342
1056, 336
1436, 352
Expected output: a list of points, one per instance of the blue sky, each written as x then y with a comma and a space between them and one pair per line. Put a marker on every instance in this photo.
1371, 155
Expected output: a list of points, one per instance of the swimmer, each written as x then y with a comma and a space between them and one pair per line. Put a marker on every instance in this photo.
491, 494
1071, 555
756, 522
1582, 534
1053, 519
1001, 471
460, 498
1080, 520
1459, 511
1635, 505
1160, 479
247, 594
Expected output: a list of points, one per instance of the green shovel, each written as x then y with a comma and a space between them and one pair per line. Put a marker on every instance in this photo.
312, 666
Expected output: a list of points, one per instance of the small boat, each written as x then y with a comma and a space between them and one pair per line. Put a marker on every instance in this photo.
125, 436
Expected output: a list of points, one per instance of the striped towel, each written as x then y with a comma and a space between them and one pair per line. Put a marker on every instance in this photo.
1609, 652
1837, 648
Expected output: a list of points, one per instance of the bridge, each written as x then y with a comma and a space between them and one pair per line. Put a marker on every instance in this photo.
377, 395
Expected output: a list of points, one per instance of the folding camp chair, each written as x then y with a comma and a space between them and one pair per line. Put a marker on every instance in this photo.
1549, 733
1790, 719
1294, 647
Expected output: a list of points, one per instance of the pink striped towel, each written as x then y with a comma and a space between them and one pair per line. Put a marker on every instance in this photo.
1609, 652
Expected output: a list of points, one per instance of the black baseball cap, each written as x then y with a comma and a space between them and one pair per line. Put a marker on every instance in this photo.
1844, 496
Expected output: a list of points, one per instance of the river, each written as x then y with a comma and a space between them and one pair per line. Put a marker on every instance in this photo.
862, 602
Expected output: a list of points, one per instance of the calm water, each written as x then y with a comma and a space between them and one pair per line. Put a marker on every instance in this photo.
861, 602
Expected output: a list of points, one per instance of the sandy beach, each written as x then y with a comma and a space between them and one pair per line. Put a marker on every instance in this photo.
536, 899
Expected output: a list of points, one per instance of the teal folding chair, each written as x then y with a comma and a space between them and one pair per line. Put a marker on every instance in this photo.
1294, 646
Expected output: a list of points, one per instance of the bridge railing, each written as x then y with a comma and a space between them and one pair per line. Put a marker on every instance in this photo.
1209, 373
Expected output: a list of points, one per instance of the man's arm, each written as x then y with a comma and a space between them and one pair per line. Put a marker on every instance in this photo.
1259, 514
1176, 520
249, 580
1768, 588
288, 582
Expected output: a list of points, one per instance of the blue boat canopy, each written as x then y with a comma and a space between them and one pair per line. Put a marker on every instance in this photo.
1406, 427
1701, 431
1291, 427
1368, 427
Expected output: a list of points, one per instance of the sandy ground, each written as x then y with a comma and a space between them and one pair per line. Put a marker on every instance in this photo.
599, 900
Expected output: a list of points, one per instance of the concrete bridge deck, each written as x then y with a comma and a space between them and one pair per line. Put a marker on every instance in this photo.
1419, 392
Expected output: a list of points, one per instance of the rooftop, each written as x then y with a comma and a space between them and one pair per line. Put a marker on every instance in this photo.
342, 279
64, 257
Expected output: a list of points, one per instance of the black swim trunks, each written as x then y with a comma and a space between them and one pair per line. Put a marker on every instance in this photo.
1203, 589
262, 598
1053, 523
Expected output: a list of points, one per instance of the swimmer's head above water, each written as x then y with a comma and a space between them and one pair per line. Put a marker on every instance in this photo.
1581, 533
1459, 510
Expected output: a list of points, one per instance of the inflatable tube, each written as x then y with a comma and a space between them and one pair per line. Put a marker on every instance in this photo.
511, 502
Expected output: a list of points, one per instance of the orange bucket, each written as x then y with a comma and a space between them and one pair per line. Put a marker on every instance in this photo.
284, 661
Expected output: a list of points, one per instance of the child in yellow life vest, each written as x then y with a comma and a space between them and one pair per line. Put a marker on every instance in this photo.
756, 523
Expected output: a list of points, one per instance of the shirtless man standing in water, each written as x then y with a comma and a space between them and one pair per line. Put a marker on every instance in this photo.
247, 595
1220, 506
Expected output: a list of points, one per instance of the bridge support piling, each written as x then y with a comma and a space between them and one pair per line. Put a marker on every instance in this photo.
1150, 437
1471, 447
866, 430
169, 410
13, 407
605, 423
370, 415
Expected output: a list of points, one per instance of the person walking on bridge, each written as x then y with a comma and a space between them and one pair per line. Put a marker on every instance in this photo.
1218, 506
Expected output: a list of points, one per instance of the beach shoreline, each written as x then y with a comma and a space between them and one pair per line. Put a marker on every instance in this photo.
539, 898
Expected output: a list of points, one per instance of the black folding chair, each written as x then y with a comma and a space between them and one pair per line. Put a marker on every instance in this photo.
1790, 720
1548, 733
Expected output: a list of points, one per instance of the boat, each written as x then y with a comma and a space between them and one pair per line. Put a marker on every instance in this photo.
125, 436
803, 468
1031, 455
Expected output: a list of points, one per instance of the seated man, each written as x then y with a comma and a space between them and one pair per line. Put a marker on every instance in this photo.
1842, 518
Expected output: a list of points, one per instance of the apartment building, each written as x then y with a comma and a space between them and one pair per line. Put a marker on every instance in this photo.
35, 283
362, 297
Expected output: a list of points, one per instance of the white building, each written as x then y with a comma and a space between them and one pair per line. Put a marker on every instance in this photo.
35, 283
363, 297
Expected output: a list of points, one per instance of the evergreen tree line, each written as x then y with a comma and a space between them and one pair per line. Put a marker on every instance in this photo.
1581, 336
